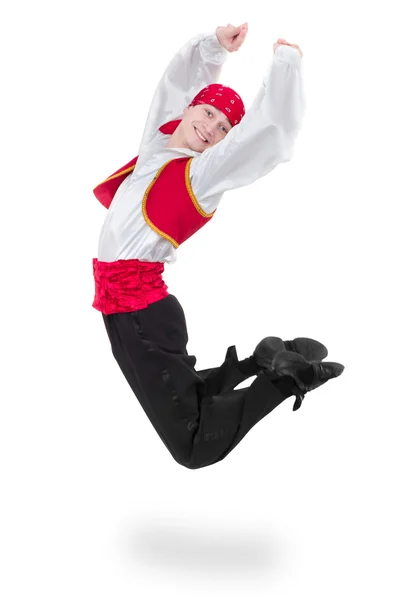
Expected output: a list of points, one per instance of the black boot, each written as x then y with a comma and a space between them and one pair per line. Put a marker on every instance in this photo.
308, 375
267, 349
310, 349
265, 352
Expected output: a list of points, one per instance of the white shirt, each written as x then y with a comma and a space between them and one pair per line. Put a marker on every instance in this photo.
263, 139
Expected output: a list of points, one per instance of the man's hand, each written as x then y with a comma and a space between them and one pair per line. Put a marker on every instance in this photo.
230, 37
282, 42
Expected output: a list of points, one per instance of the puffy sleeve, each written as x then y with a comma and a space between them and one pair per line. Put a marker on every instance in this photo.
264, 138
197, 64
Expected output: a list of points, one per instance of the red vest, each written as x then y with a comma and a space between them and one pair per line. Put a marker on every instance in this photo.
169, 205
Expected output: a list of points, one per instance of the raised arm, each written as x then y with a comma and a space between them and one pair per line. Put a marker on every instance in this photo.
264, 138
198, 63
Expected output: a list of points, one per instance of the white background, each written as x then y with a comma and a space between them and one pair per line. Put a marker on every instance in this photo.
92, 504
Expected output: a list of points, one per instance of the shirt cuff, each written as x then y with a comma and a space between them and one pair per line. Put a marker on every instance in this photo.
288, 55
212, 50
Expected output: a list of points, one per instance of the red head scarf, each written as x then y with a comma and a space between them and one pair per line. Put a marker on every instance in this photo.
218, 95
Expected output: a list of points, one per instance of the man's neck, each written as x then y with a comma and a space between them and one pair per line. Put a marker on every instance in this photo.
175, 142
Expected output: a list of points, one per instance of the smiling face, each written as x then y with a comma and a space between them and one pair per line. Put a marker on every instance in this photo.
202, 126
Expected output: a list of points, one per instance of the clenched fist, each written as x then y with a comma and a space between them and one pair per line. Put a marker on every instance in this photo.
282, 42
230, 37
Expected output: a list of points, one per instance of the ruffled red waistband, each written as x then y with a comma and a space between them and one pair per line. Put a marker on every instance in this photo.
127, 285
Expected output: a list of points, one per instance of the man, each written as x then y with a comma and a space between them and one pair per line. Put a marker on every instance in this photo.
198, 143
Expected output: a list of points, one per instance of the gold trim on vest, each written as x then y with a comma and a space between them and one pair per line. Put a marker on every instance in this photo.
117, 175
146, 217
191, 194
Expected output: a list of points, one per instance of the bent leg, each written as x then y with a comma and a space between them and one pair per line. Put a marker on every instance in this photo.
198, 425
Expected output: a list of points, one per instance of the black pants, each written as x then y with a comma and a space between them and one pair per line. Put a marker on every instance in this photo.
197, 414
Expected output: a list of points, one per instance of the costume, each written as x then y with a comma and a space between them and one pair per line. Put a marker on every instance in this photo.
155, 203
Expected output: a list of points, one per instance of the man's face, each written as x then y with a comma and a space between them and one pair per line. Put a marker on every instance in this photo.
204, 121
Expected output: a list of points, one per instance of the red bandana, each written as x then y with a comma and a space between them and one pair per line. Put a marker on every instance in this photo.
218, 95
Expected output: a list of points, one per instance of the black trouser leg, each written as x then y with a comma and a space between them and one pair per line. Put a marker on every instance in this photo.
200, 419
229, 374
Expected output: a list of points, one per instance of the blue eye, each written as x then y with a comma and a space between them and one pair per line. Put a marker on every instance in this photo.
210, 113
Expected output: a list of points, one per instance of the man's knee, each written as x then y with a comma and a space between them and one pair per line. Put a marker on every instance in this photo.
187, 456
185, 459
